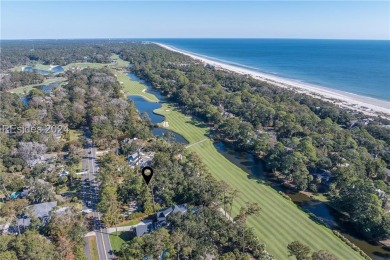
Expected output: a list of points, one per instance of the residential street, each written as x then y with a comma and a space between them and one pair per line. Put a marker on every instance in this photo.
91, 198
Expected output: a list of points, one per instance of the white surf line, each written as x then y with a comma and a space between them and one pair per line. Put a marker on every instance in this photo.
201, 141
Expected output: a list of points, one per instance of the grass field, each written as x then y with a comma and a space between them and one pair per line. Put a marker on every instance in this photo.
17, 68
119, 62
280, 221
131, 87
119, 238
93, 248
129, 223
74, 135
85, 65
26, 89
42, 66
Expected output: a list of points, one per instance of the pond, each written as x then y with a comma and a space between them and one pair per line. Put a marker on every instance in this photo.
55, 69
48, 88
333, 219
145, 106
163, 132
39, 71
256, 168
25, 100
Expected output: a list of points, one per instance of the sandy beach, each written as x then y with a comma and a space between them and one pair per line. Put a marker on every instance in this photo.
368, 106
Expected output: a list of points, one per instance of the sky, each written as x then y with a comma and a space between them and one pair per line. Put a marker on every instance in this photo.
200, 19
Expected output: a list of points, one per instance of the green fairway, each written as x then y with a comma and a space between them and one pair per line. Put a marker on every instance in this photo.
280, 221
26, 89
42, 66
131, 87
85, 65
119, 62
17, 68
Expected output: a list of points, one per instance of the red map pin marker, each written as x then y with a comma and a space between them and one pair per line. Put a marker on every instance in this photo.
147, 173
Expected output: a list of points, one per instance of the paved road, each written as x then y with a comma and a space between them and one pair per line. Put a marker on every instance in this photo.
91, 198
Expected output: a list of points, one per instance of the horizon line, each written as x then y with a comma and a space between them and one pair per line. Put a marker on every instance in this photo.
206, 38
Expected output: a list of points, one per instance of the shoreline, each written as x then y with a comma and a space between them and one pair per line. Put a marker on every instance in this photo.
367, 105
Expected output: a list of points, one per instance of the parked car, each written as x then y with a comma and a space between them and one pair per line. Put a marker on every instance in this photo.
86, 211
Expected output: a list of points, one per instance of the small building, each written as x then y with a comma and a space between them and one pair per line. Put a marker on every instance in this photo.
144, 227
134, 157
163, 214
63, 173
141, 159
41, 211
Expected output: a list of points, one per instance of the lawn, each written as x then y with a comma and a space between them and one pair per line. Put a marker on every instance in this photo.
129, 223
42, 66
74, 135
17, 68
119, 62
26, 89
93, 248
119, 238
280, 221
135, 88
85, 65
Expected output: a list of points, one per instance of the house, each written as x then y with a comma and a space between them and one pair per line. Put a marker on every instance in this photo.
45, 158
147, 225
144, 227
63, 173
141, 159
128, 140
324, 175
134, 157
41, 211
163, 214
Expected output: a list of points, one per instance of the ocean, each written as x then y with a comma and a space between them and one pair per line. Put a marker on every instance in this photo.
356, 66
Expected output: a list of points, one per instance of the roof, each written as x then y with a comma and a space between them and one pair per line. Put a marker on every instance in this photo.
40, 210
173, 209
43, 209
133, 156
144, 227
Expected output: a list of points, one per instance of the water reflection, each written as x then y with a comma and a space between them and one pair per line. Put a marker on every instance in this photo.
334, 220
55, 69
256, 168
48, 88
25, 101
167, 134
145, 106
